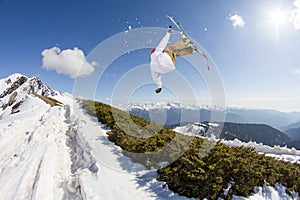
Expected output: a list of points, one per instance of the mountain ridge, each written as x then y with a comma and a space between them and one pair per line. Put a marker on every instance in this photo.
15, 88
259, 133
274, 118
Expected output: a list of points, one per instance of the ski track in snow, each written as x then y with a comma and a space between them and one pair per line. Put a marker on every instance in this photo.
35, 160
118, 177
63, 153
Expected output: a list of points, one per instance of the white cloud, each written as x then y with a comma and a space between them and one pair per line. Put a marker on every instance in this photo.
296, 71
295, 15
237, 20
71, 62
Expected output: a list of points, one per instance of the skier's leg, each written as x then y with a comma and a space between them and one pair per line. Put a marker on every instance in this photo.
180, 48
172, 56
184, 51
178, 45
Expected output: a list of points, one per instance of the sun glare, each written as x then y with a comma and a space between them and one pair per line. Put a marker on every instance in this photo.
277, 18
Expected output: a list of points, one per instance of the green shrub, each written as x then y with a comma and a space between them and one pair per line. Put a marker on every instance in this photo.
205, 169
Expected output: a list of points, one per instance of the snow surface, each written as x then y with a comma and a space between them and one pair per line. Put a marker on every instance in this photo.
118, 177
63, 153
36, 161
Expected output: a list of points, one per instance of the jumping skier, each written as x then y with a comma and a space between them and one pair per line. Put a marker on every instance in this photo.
163, 57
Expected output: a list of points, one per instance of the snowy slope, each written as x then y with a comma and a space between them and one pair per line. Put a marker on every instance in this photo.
63, 153
34, 158
43, 159
121, 179
118, 177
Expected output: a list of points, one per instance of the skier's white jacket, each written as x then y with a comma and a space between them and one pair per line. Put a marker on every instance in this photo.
161, 62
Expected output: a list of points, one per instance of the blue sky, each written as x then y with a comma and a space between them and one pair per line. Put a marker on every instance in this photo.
254, 43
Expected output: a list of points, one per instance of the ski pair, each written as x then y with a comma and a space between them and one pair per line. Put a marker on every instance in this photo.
182, 32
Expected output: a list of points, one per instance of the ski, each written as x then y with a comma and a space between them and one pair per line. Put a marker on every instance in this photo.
182, 32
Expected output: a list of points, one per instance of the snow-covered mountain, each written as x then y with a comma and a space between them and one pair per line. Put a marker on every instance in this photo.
277, 119
60, 152
172, 111
259, 133
16, 88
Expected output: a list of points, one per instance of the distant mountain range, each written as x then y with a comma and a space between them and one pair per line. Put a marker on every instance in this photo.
269, 127
294, 144
259, 133
293, 133
173, 111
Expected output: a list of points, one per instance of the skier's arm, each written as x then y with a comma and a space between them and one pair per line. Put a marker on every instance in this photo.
163, 43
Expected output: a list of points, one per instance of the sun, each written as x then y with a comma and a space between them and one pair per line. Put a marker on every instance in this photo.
277, 17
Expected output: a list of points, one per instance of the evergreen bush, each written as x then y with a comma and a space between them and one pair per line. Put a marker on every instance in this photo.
206, 169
